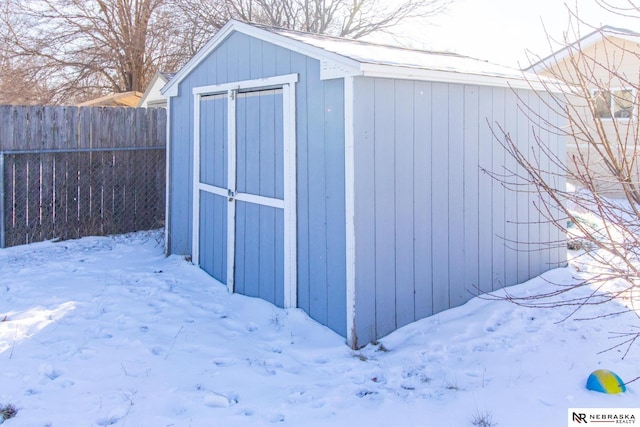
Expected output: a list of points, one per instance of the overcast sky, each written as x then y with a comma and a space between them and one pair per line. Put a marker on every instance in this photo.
501, 30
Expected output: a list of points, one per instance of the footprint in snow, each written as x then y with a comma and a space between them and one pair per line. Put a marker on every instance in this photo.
217, 400
275, 418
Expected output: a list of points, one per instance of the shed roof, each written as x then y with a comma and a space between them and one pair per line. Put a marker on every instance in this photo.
590, 39
342, 57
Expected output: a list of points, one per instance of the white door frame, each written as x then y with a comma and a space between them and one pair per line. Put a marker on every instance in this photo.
287, 83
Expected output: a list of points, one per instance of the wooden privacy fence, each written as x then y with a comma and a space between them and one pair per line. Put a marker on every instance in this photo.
68, 172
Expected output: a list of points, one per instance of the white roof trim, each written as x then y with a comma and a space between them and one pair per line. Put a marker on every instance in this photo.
156, 77
530, 81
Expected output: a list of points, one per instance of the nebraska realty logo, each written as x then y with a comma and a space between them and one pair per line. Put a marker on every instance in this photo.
600, 416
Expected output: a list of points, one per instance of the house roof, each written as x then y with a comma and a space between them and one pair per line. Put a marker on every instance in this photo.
590, 39
124, 99
161, 76
340, 57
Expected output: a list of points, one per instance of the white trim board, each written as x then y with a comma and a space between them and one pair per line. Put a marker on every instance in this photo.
350, 226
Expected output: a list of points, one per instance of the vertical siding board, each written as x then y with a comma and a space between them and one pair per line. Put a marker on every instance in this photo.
535, 256
422, 188
485, 185
385, 268
269, 63
219, 67
523, 198
279, 148
232, 56
180, 182
208, 236
472, 123
511, 196
299, 62
251, 66
220, 143
317, 192
546, 224
266, 253
266, 146
335, 205
404, 202
458, 291
440, 196
365, 215
498, 199
279, 259
283, 61
239, 277
560, 147
252, 249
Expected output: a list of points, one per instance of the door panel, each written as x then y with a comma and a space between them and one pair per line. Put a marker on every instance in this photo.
259, 256
213, 141
213, 238
259, 260
240, 190
213, 171
259, 148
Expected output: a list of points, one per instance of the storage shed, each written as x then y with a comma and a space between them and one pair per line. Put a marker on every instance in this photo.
350, 179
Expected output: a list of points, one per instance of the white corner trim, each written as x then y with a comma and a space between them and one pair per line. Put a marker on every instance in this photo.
350, 240
195, 225
290, 196
167, 188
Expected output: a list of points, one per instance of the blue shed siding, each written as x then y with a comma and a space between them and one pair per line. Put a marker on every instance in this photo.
320, 165
432, 227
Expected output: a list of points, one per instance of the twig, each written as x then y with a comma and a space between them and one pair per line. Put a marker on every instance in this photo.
174, 342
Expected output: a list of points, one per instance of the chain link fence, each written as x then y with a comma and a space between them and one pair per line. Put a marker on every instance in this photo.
115, 185
69, 194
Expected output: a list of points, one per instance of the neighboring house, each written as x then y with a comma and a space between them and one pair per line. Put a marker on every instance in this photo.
607, 62
152, 96
350, 179
124, 99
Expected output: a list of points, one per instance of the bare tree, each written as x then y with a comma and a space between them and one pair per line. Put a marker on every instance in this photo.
70, 50
344, 18
599, 102
84, 48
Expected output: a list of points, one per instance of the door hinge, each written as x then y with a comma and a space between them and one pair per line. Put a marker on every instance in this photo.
231, 195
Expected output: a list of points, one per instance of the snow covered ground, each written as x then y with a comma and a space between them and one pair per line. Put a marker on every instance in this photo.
107, 331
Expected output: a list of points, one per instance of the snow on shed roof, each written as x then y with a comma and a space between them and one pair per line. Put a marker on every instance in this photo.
373, 53
342, 57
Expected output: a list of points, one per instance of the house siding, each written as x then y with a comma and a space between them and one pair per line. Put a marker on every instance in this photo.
432, 226
320, 165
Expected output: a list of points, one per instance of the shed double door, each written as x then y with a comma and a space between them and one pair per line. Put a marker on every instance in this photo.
241, 191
